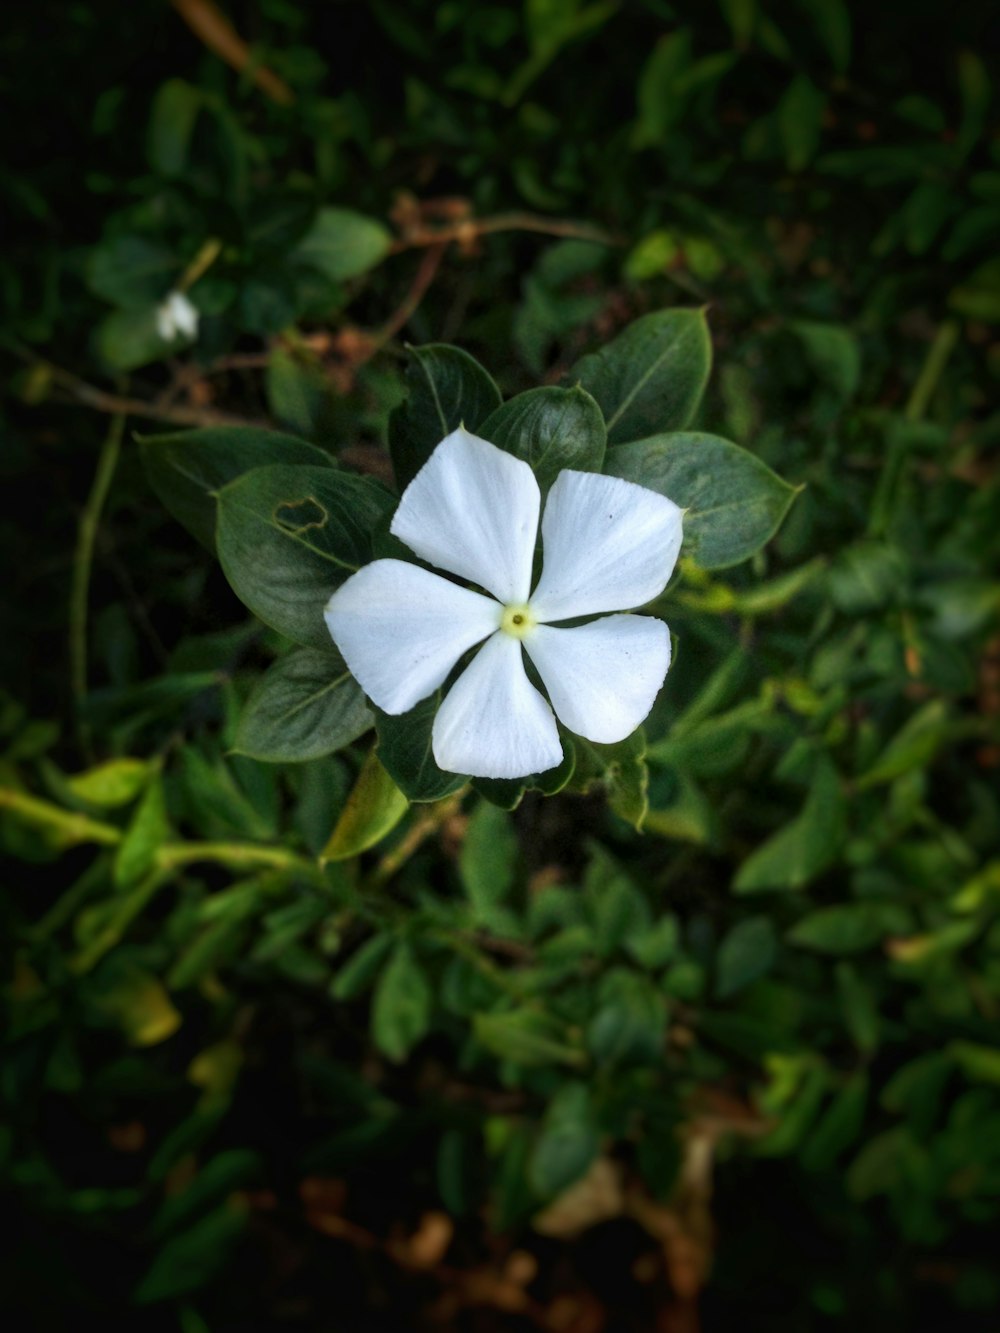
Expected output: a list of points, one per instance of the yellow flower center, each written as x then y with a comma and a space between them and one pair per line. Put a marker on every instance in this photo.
518, 621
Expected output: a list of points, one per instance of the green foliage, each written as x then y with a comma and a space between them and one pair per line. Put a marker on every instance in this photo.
651, 377
277, 986
288, 537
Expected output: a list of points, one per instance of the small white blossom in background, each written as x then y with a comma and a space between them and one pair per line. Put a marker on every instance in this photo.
176, 317
473, 511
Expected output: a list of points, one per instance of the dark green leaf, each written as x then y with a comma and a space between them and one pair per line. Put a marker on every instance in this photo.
849, 927
143, 838
186, 468
745, 954
193, 1257
448, 389
289, 536
734, 502
803, 848
488, 862
306, 705
373, 809
404, 748
551, 429
568, 1143
132, 272
651, 377
342, 244
401, 1008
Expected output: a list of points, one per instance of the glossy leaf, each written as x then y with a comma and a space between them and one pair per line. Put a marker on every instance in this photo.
186, 468
289, 536
307, 704
342, 244
404, 749
805, 847
551, 429
373, 809
651, 377
734, 502
447, 389
401, 1008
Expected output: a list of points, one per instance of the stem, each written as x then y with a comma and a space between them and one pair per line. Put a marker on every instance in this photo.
934, 363
110, 935
201, 263
211, 27
435, 816
238, 856
69, 826
90, 521
916, 407
469, 229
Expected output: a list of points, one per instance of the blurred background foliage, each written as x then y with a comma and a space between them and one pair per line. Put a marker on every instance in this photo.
528, 1069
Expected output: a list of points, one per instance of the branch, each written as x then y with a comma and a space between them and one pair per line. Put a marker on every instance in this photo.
211, 27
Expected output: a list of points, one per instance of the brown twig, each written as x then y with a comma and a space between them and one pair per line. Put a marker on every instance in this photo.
470, 229
425, 275
211, 27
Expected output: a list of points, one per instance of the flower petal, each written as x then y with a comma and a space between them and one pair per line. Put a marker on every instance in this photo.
473, 510
608, 545
602, 678
494, 723
401, 629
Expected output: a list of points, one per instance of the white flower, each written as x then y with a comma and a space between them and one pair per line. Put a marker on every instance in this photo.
473, 510
176, 317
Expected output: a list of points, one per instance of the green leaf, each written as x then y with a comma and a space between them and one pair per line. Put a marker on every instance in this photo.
186, 468
659, 91
373, 809
913, 746
342, 244
800, 120
849, 927
128, 339
131, 272
145, 835
976, 88
833, 354
298, 391
551, 429
488, 861
568, 1143
866, 575
832, 20
630, 1020
978, 1062
734, 502
745, 954
526, 1037
805, 847
839, 1127
192, 1258
138, 1003
448, 389
289, 536
652, 376
359, 971
978, 297
306, 705
229, 1170
404, 748
622, 772
113, 783
858, 1007
401, 1008
171, 126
